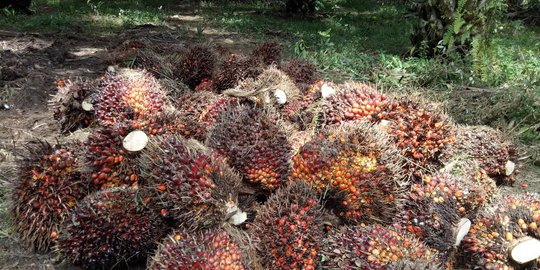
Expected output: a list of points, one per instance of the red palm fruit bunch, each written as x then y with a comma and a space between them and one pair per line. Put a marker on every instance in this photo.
130, 96
196, 64
193, 184
305, 110
489, 147
373, 247
421, 132
125, 52
197, 113
111, 164
417, 264
109, 228
235, 69
46, 190
71, 105
353, 101
288, 229
254, 140
268, 53
206, 85
356, 165
302, 72
506, 237
212, 249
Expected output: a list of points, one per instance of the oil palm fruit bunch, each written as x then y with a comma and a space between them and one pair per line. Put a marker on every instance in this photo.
206, 85
506, 237
302, 72
268, 53
355, 165
373, 247
489, 147
196, 64
72, 105
408, 264
130, 96
235, 69
255, 142
125, 52
353, 101
208, 249
421, 133
288, 228
47, 188
193, 185
109, 228
197, 113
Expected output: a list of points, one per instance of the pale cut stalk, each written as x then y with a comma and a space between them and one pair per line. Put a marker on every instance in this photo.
462, 229
525, 249
135, 141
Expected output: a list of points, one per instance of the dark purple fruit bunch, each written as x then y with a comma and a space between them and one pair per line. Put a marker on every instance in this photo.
47, 188
268, 53
355, 165
206, 250
506, 237
235, 69
302, 72
288, 229
196, 65
408, 264
255, 142
71, 105
305, 110
130, 96
373, 247
193, 185
109, 228
489, 147
206, 85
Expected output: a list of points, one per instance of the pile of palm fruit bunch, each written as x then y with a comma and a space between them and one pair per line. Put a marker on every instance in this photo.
256, 164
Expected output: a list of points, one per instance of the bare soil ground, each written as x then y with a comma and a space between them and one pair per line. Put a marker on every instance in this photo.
29, 66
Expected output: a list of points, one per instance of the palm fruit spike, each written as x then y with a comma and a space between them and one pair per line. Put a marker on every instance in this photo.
372, 247
197, 113
353, 101
355, 164
207, 249
303, 73
489, 147
269, 53
408, 264
194, 185
130, 96
421, 132
288, 228
236, 69
109, 228
47, 189
197, 64
72, 105
255, 142
112, 165
506, 237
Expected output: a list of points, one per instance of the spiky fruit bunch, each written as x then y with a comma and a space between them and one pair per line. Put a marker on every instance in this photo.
158, 64
206, 250
110, 227
408, 264
372, 247
125, 52
356, 165
131, 96
235, 69
268, 53
110, 163
206, 85
288, 228
193, 184
302, 72
197, 113
71, 105
46, 190
255, 142
495, 154
354, 101
495, 232
195, 65
421, 132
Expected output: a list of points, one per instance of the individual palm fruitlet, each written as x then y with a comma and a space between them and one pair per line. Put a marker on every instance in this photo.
373, 247
254, 140
72, 105
355, 165
288, 229
205, 250
47, 188
110, 228
193, 185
